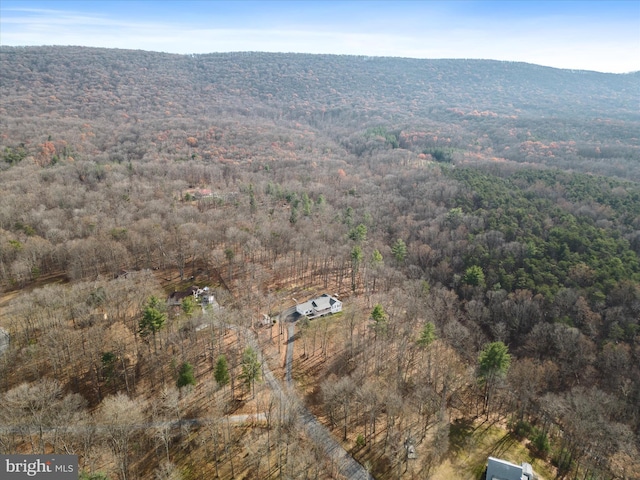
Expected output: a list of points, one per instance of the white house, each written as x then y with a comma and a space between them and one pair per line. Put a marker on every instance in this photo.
317, 307
206, 297
202, 296
498, 469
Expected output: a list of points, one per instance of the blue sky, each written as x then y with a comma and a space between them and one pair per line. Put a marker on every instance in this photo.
591, 35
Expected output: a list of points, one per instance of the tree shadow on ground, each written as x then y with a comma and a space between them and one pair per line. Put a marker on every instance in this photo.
460, 432
503, 445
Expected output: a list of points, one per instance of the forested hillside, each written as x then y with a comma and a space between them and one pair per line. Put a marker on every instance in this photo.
452, 205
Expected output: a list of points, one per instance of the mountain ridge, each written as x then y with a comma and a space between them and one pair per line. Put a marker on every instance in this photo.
329, 80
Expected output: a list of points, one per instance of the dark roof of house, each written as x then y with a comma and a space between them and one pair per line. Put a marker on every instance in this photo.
180, 295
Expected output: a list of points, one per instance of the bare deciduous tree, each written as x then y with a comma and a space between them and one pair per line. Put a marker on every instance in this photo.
121, 417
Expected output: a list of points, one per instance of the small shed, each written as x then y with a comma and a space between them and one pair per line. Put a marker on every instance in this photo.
411, 449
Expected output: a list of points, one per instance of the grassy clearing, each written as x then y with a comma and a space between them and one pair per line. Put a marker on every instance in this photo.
471, 443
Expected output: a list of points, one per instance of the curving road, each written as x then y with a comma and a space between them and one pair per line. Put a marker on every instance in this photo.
346, 465
318, 433
291, 331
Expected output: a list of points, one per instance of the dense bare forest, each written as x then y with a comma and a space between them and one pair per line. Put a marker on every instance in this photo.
462, 211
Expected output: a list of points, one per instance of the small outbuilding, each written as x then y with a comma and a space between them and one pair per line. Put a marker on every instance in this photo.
409, 444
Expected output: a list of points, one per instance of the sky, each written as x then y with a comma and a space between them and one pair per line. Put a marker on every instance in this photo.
594, 35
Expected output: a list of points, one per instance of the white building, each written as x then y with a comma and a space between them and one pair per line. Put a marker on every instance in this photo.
317, 307
202, 296
498, 469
